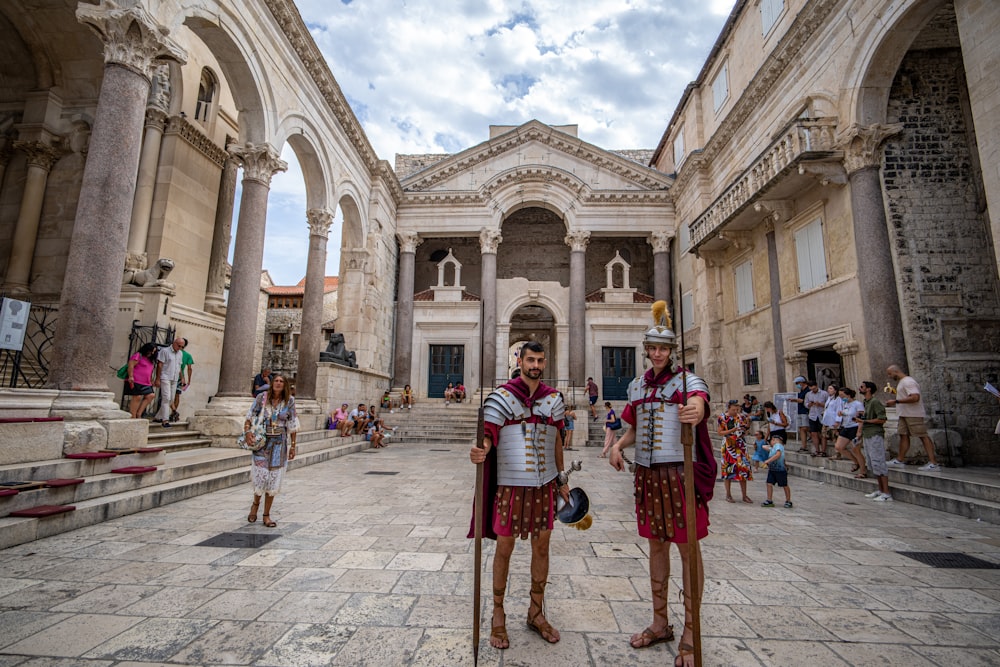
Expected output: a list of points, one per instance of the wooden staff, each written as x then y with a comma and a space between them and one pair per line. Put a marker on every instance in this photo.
690, 501
477, 602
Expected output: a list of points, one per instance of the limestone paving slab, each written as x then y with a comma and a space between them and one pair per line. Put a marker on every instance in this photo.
377, 570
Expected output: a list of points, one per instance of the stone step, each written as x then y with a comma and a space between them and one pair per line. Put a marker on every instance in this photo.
70, 468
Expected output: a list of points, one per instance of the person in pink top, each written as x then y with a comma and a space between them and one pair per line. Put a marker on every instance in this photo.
139, 382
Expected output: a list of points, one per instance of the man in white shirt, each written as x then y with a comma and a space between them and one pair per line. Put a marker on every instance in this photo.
911, 414
816, 402
168, 369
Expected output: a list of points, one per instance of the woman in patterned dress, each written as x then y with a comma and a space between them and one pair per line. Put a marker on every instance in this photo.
275, 409
733, 424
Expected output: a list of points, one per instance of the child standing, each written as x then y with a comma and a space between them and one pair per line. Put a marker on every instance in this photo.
760, 451
777, 474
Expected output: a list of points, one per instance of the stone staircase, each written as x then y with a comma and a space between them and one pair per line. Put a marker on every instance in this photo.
181, 464
431, 421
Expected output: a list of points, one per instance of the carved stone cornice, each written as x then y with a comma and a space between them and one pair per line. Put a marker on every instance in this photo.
827, 173
660, 241
260, 161
408, 241
626, 197
522, 175
862, 144
577, 240
451, 198
489, 241
319, 221
355, 259
132, 37
846, 348
796, 357
156, 118
535, 131
775, 210
194, 137
38, 153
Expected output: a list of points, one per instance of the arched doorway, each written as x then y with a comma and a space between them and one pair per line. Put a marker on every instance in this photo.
534, 322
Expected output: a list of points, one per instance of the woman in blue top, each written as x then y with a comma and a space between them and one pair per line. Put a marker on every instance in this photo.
274, 410
569, 418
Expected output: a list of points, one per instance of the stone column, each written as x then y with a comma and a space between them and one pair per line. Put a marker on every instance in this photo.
663, 288
577, 347
774, 276
489, 242
149, 158
402, 370
797, 364
883, 322
260, 163
41, 157
83, 340
848, 351
215, 287
6, 151
311, 337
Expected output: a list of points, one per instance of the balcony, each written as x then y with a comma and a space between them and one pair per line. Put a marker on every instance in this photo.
804, 151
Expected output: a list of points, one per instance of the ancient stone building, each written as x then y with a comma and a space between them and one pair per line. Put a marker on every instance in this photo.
835, 162
283, 325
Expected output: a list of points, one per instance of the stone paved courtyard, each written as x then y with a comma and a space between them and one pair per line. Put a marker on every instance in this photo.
375, 569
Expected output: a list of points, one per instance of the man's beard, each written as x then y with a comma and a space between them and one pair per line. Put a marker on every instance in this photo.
534, 373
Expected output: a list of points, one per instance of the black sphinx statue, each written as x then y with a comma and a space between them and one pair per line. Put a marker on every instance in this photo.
336, 352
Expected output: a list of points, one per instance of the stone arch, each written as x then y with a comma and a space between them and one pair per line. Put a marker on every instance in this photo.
300, 134
814, 105
553, 189
353, 235
877, 56
226, 38
556, 308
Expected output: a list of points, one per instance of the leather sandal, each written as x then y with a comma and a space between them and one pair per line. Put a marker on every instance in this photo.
650, 638
647, 636
683, 649
499, 632
252, 517
543, 628
268, 522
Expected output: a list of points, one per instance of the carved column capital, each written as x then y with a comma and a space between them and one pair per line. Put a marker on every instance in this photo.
847, 348
796, 357
408, 241
260, 161
38, 153
319, 220
862, 145
489, 241
156, 118
132, 37
660, 241
577, 241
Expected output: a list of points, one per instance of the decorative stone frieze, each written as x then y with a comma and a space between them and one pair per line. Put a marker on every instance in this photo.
319, 220
578, 240
489, 241
132, 37
179, 126
260, 161
862, 145
408, 241
159, 90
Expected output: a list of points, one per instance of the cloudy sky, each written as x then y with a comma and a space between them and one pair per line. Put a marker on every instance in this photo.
426, 76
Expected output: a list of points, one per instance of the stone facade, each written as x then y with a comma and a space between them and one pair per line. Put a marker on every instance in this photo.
831, 199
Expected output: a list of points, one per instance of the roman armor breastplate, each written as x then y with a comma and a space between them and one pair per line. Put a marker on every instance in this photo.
657, 425
526, 452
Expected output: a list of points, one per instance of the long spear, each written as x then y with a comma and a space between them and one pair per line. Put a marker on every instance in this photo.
687, 439
478, 511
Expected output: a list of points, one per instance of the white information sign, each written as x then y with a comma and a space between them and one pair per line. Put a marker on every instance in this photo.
13, 323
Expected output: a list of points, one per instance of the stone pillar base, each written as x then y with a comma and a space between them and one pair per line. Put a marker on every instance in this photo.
222, 419
311, 414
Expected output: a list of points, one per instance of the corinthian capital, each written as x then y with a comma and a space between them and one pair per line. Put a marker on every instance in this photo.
38, 153
577, 241
132, 37
489, 241
408, 241
319, 220
260, 161
862, 144
660, 241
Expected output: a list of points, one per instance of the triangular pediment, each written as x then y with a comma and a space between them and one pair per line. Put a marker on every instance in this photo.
535, 152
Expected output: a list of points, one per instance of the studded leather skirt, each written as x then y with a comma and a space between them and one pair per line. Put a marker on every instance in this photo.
521, 511
660, 504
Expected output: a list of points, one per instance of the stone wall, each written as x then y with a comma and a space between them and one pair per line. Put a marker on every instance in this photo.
946, 269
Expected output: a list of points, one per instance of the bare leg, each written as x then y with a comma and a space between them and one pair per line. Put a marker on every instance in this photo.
904, 445
252, 517
659, 576
539, 577
146, 400
929, 448
743, 490
268, 499
501, 564
729, 493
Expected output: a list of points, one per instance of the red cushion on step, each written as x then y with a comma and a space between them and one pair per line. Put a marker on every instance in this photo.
92, 455
134, 470
43, 510
8, 492
56, 483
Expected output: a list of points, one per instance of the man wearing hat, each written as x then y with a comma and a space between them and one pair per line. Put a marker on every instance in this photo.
802, 414
522, 453
659, 401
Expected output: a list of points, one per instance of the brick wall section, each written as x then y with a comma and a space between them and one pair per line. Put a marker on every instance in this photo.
947, 276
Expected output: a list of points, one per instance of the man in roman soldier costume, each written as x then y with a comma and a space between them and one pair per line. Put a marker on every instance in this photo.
522, 451
658, 403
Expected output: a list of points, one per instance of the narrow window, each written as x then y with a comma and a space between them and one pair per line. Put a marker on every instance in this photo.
751, 371
720, 86
206, 95
278, 341
810, 255
744, 287
679, 148
770, 10
687, 309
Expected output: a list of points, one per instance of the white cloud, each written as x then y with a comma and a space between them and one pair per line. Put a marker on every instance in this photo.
430, 77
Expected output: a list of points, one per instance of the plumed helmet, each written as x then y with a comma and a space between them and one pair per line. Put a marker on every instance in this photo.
661, 332
575, 513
